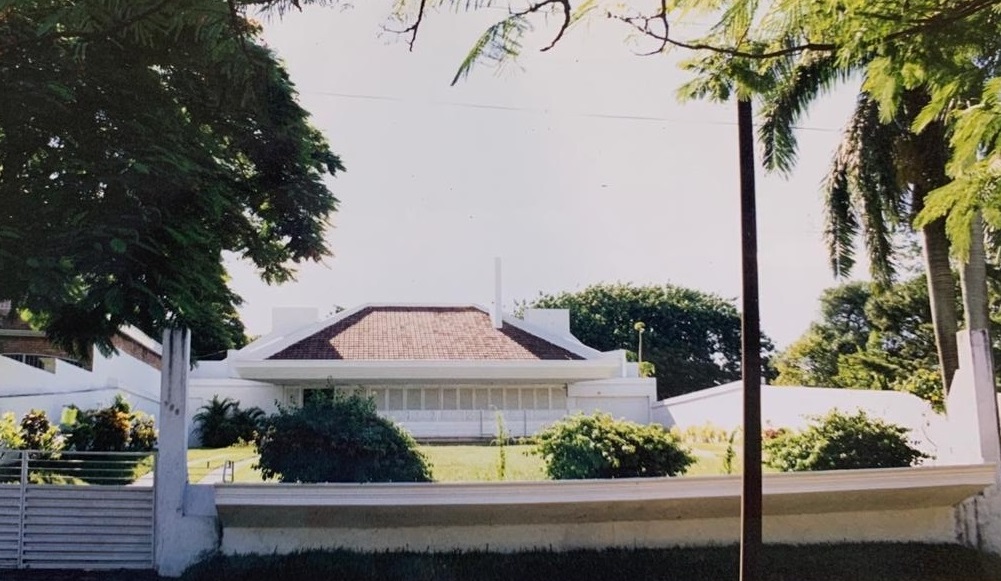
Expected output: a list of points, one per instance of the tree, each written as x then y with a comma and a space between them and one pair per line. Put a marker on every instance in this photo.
692, 338
867, 337
138, 142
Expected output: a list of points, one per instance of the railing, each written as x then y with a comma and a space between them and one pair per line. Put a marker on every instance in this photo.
472, 423
76, 468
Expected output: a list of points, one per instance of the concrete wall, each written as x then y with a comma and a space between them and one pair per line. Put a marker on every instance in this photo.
23, 387
930, 525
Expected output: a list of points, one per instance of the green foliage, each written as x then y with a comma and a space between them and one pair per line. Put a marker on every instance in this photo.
868, 337
926, 384
840, 441
501, 443
691, 338
10, 432
598, 446
221, 423
116, 428
38, 433
337, 437
730, 455
139, 141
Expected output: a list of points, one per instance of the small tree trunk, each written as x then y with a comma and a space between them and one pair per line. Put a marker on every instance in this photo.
942, 296
973, 278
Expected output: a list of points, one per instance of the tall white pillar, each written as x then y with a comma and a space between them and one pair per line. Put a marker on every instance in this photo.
186, 522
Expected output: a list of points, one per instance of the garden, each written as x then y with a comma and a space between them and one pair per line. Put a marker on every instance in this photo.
341, 438
109, 445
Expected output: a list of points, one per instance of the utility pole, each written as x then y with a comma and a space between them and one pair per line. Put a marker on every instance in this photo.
750, 500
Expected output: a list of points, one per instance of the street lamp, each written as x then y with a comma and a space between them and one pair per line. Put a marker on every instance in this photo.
639, 327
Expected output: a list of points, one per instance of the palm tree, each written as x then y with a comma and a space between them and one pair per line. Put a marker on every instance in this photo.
877, 184
214, 422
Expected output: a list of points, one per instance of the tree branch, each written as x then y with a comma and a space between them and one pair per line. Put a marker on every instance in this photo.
532, 8
643, 25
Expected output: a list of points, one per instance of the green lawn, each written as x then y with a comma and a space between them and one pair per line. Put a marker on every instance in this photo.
844, 562
204, 461
465, 463
449, 462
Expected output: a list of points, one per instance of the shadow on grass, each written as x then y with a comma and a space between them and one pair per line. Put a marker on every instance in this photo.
843, 562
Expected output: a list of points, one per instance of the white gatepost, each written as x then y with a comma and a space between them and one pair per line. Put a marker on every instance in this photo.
972, 408
186, 525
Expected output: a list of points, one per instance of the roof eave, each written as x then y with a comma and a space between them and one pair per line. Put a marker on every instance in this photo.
286, 370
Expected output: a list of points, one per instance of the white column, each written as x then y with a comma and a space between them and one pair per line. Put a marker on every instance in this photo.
171, 463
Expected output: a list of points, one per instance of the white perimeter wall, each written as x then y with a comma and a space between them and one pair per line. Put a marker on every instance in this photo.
23, 387
791, 407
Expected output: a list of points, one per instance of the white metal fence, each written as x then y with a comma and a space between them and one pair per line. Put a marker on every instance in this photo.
76, 510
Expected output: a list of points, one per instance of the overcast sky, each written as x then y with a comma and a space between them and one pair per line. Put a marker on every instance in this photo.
577, 167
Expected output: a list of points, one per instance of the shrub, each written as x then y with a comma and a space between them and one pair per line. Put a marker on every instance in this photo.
116, 428
839, 441
221, 423
598, 446
336, 437
38, 433
10, 432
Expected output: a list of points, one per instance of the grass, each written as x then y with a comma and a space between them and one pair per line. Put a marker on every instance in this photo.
841, 562
204, 461
449, 462
466, 463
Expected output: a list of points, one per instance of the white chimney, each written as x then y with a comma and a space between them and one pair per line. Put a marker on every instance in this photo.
556, 321
287, 319
497, 317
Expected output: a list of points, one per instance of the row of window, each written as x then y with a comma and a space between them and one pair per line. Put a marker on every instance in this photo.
466, 398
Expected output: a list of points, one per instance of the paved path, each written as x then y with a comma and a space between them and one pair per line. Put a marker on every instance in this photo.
215, 476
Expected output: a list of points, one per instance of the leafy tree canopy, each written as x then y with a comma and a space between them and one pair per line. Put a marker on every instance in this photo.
873, 337
692, 338
139, 140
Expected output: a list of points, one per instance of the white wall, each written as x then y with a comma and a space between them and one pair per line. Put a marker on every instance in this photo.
23, 387
629, 398
791, 407
930, 525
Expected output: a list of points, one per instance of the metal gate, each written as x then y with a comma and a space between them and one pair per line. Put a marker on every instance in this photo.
76, 510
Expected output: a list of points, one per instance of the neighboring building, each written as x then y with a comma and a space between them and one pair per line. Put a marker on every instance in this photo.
34, 374
442, 371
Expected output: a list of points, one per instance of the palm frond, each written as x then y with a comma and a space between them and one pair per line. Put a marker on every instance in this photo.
862, 193
840, 223
797, 85
499, 44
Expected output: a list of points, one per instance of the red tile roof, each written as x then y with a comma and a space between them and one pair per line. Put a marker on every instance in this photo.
424, 333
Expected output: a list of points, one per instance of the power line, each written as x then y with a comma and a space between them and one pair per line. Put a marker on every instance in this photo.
543, 111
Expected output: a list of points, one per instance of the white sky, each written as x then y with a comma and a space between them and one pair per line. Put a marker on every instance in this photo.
547, 176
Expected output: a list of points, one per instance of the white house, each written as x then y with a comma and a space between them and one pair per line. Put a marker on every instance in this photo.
442, 371
34, 374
